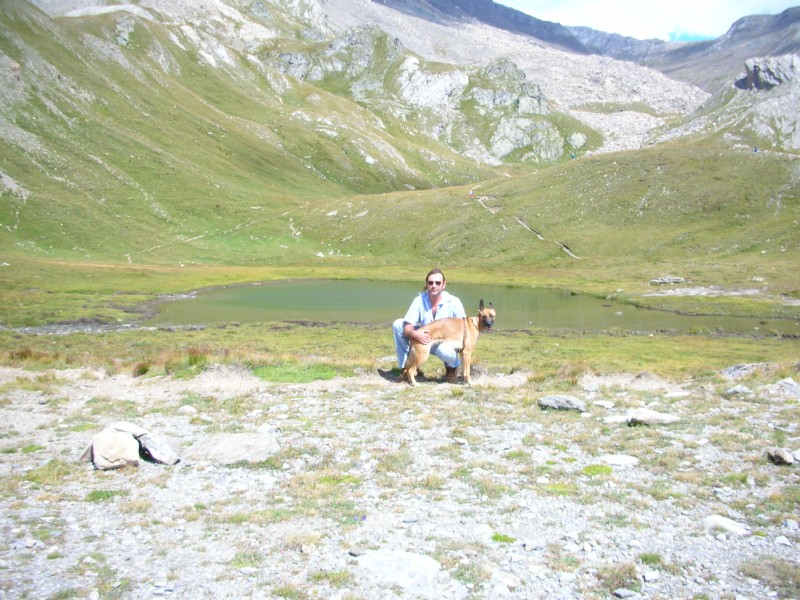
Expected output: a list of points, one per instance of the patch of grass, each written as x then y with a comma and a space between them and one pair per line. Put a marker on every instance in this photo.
277, 461
597, 470
299, 373
31, 448
616, 576
141, 368
432, 482
290, 592
486, 486
112, 407
103, 495
558, 560
471, 572
246, 558
327, 492
67, 593
337, 579
187, 365
502, 538
651, 559
52, 473
394, 462
560, 489
81, 427
139, 506
258, 517
517, 455
775, 572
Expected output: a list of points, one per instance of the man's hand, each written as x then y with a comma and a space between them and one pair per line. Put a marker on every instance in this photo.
418, 335
422, 336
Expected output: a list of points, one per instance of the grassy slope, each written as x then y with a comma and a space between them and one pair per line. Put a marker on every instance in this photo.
140, 160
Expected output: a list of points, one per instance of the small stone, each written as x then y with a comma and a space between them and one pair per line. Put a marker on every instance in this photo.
625, 593
357, 551
738, 390
720, 522
780, 456
619, 460
561, 402
651, 575
647, 416
783, 540
615, 419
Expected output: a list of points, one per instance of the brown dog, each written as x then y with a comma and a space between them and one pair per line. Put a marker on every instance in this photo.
462, 333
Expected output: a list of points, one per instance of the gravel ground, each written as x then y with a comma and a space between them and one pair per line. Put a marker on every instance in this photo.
374, 489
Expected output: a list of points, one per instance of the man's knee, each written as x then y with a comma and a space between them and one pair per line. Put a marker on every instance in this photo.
448, 353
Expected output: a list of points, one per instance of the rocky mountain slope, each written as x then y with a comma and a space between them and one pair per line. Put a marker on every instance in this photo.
705, 64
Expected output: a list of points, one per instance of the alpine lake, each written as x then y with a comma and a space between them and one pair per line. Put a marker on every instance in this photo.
380, 302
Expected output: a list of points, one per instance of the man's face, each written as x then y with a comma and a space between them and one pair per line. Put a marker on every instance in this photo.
435, 284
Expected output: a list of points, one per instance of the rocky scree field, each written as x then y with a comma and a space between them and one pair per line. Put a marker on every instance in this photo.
366, 488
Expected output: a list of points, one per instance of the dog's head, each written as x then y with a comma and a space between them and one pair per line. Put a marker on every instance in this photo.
485, 316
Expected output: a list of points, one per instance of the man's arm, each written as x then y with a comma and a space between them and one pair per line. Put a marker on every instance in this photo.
415, 334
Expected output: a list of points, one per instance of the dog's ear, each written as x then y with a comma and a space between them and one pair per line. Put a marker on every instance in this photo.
480, 306
491, 305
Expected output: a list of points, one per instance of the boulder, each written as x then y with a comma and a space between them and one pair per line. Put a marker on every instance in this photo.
113, 449
766, 73
156, 448
122, 444
234, 448
780, 456
647, 416
415, 574
619, 460
559, 402
720, 522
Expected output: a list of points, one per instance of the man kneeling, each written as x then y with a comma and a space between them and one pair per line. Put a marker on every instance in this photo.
431, 304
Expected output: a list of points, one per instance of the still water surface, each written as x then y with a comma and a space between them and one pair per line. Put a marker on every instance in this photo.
364, 301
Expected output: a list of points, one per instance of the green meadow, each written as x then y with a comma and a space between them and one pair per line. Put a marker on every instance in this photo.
142, 181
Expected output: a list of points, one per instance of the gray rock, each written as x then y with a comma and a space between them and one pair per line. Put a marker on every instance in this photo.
667, 280
619, 460
647, 416
157, 448
766, 73
415, 573
719, 522
738, 390
235, 448
743, 370
113, 449
780, 456
651, 575
789, 387
560, 402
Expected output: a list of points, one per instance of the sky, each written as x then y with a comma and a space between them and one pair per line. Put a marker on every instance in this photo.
670, 20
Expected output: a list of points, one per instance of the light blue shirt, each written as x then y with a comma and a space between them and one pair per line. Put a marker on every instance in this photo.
421, 312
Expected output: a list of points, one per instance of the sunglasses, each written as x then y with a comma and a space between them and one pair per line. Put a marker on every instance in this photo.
436, 283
